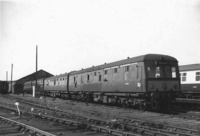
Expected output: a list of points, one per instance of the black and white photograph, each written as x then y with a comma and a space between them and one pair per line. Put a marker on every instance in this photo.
99, 67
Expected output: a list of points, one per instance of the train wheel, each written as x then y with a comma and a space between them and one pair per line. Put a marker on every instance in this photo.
155, 104
143, 105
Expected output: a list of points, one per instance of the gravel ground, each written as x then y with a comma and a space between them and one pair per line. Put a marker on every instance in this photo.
54, 128
80, 107
51, 127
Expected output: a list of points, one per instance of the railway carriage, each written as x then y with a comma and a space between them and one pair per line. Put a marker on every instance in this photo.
28, 86
190, 80
56, 85
150, 80
3, 87
143, 80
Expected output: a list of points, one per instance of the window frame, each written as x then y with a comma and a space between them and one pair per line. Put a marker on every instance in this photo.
197, 76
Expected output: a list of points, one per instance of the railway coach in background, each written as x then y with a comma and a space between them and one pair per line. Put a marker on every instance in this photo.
56, 86
190, 80
4, 87
147, 81
28, 86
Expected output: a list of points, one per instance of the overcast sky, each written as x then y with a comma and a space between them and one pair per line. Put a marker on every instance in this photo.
75, 34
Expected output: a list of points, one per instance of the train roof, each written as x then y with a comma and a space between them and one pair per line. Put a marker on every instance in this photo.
58, 76
189, 67
147, 57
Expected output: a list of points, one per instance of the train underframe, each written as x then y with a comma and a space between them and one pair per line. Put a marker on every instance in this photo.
192, 95
151, 100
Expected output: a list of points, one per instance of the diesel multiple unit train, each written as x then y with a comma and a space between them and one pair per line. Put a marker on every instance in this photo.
148, 81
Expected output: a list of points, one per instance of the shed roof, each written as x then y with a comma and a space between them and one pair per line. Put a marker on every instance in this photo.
40, 74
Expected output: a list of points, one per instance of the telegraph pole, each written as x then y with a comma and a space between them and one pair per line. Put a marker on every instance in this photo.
6, 75
36, 65
11, 75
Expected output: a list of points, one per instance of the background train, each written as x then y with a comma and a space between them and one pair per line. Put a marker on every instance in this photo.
190, 80
4, 87
150, 80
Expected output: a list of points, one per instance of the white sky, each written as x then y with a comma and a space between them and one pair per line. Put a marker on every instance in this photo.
75, 34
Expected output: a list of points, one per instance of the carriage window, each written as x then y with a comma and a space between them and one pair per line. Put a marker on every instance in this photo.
105, 72
99, 77
173, 72
157, 72
184, 77
197, 76
115, 70
88, 77
95, 73
127, 68
161, 72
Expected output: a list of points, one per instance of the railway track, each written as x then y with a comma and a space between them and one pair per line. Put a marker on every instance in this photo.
72, 122
15, 128
176, 111
118, 126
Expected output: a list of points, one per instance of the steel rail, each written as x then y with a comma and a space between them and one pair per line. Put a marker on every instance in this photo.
26, 127
78, 124
129, 122
129, 126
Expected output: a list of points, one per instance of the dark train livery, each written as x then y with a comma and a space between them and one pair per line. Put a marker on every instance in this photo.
147, 81
190, 80
3, 87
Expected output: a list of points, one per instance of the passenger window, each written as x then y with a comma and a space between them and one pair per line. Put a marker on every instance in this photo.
157, 72
88, 77
173, 72
184, 77
150, 72
99, 77
115, 70
197, 76
95, 73
127, 68
105, 72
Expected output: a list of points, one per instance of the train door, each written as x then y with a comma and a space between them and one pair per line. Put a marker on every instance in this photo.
75, 83
139, 78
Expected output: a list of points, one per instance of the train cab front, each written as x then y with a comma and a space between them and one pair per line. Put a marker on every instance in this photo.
162, 83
